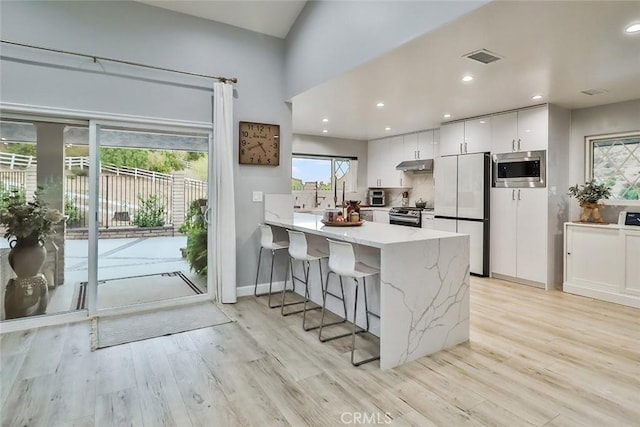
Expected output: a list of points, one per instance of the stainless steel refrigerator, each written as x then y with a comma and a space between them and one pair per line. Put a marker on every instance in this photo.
462, 189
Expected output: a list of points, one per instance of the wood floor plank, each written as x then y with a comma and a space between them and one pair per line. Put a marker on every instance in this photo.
118, 409
534, 358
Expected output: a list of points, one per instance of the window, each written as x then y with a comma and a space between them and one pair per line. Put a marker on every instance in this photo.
615, 160
307, 171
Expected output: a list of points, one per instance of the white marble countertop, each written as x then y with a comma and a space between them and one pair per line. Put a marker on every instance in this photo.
603, 225
372, 234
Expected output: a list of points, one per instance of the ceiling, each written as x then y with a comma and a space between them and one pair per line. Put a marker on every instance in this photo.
555, 49
271, 17
552, 48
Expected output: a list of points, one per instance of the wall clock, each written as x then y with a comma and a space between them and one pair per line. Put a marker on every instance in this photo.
259, 144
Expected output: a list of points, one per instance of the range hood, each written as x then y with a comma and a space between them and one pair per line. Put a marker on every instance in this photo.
425, 165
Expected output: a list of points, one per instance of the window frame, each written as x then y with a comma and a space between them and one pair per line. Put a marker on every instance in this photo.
333, 164
588, 170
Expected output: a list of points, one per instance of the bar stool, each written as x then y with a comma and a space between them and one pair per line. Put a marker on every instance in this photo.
342, 262
266, 242
299, 251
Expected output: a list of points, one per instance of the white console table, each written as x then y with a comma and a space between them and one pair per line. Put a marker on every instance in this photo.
602, 262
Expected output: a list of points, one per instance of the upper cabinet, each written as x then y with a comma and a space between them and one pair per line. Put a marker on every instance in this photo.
523, 130
469, 136
383, 157
417, 146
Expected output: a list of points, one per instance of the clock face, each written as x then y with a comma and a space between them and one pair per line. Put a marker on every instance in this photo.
259, 144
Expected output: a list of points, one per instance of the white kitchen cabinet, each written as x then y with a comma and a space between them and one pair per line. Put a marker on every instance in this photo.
477, 135
451, 138
383, 157
632, 255
503, 231
428, 219
523, 130
518, 234
601, 261
381, 215
470, 136
418, 146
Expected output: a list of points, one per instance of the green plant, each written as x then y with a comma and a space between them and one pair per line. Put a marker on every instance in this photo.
194, 218
71, 211
196, 230
33, 220
9, 195
151, 212
590, 192
197, 250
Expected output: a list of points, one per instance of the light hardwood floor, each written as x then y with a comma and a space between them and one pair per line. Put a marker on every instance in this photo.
535, 358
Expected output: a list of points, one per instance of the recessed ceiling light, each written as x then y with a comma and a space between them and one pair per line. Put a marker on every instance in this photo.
325, 120
633, 28
467, 78
446, 116
387, 128
482, 122
380, 104
4, 139
536, 97
324, 131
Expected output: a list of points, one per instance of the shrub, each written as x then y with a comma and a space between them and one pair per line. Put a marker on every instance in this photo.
71, 211
151, 212
196, 229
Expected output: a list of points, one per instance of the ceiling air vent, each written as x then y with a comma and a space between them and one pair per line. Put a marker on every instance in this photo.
593, 91
483, 55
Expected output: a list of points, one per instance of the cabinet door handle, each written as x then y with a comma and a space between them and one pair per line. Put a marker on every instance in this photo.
400, 182
513, 145
519, 195
461, 148
513, 194
418, 154
519, 144
465, 148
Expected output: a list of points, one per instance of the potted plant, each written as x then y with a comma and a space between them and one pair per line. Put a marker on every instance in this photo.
27, 225
589, 194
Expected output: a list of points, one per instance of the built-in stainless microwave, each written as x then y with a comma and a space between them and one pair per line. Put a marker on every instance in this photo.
522, 169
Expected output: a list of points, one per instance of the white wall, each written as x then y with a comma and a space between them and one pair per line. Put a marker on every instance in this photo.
141, 33
332, 37
612, 118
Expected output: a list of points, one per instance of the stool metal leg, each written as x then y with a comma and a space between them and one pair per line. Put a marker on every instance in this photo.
353, 335
293, 283
344, 306
306, 297
255, 288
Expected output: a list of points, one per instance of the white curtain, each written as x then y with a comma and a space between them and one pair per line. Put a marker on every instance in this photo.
224, 218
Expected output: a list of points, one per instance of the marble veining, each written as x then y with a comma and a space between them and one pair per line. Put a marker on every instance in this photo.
423, 285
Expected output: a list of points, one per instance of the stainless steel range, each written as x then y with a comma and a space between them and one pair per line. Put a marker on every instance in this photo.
411, 217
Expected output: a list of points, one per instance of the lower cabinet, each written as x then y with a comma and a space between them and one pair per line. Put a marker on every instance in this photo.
380, 215
601, 261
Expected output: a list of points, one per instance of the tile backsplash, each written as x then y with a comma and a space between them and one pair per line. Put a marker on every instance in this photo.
422, 189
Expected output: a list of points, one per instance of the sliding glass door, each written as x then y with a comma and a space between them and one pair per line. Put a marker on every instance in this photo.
149, 236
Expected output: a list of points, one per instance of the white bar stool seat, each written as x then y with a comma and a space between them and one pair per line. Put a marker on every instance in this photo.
342, 262
299, 251
267, 242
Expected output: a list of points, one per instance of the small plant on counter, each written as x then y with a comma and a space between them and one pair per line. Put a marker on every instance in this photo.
590, 192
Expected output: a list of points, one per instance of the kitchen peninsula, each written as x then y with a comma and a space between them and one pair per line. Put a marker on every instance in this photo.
422, 294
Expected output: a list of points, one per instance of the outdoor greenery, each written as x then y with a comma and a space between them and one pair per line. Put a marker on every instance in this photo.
590, 192
71, 212
151, 212
196, 230
24, 149
10, 194
33, 220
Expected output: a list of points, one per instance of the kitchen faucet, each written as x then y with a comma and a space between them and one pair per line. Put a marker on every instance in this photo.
316, 203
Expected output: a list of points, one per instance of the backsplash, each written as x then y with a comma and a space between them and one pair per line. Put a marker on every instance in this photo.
422, 189
305, 199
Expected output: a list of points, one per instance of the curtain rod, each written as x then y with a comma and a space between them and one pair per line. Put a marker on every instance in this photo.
119, 61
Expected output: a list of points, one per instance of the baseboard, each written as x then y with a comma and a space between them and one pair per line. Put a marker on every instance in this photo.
244, 291
603, 295
519, 280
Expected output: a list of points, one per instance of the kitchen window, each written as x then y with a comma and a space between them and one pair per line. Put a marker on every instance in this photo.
307, 170
615, 160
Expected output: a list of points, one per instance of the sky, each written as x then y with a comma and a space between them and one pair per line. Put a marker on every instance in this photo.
309, 170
